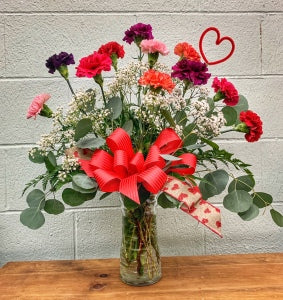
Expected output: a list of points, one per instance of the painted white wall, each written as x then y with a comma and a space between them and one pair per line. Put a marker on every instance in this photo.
32, 30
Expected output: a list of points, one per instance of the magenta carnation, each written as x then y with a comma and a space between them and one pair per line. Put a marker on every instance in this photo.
194, 71
138, 32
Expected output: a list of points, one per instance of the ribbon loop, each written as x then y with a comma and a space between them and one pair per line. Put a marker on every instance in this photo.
120, 164
187, 159
168, 141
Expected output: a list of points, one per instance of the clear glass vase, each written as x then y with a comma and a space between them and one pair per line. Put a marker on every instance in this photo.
139, 256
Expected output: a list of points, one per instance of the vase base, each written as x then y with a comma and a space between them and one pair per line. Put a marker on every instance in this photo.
141, 283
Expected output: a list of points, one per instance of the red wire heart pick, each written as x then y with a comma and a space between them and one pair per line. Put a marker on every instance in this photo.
218, 41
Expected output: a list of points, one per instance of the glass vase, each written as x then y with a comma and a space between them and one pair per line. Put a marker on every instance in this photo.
139, 256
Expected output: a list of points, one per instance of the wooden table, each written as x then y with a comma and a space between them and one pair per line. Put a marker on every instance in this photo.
248, 276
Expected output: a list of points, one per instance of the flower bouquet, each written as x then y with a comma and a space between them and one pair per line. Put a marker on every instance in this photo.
147, 136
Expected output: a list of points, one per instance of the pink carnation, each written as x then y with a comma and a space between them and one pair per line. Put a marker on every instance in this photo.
37, 105
153, 46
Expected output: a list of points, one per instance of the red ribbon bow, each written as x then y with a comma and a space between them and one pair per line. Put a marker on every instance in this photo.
125, 169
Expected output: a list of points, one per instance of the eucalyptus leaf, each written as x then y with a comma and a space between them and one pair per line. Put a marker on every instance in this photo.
75, 198
214, 183
277, 217
104, 195
54, 207
36, 198
250, 214
50, 162
83, 127
90, 141
166, 201
37, 156
261, 199
242, 105
238, 201
230, 115
82, 190
32, 217
83, 181
245, 183
129, 204
128, 126
115, 106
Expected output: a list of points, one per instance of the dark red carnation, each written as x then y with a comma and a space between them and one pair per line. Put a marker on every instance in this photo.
231, 96
253, 124
112, 48
93, 65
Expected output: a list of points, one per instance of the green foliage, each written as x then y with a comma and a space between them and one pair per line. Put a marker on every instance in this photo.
169, 157
277, 217
238, 201
83, 127
54, 207
213, 183
75, 198
50, 162
33, 182
36, 198
115, 106
261, 199
181, 118
166, 201
90, 141
190, 137
250, 214
36, 157
128, 126
230, 115
32, 217
241, 106
245, 183
104, 195
83, 181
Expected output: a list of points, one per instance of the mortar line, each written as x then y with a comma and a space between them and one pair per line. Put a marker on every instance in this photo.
139, 12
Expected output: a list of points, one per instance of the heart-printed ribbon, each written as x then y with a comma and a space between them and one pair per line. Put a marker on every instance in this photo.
218, 41
125, 169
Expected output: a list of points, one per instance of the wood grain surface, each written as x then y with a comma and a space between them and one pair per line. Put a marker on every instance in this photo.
245, 276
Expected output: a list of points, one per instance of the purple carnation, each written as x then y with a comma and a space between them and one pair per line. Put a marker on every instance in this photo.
138, 31
194, 71
57, 60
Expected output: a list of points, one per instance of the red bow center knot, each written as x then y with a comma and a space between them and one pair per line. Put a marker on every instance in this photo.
124, 169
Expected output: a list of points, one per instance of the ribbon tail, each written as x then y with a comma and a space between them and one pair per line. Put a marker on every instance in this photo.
193, 204
128, 187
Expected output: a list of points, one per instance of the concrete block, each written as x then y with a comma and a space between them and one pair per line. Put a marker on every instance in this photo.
258, 235
272, 45
240, 6
52, 241
30, 44
244, 29
99, 233
2, 47
2, 181
99, 6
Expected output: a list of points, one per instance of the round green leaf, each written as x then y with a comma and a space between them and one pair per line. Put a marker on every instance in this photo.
115, 106
32, 217
83, 127
261, 199
36, 198
245, 183
242, 105
165, 201
54, 207
277, 217
83, 191
83, 181
75, 198
230, 115
128, 126
214, 183
250, 214
238, 201
90, 141
36, 157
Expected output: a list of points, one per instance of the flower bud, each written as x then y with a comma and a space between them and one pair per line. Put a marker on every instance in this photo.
242, 127
218, 96
152, 59
46, 111
63, 70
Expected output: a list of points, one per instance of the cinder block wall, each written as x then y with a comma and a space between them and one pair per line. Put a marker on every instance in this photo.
32, 30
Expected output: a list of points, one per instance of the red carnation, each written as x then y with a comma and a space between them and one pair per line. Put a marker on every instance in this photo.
112, 48
93, 65
225, 90
252, 125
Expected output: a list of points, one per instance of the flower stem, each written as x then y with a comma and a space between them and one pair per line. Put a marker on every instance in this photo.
228, 130
102, 92
69, 84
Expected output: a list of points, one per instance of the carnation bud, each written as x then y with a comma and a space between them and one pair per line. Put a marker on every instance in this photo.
63, 70
98, 79
218, 96
46, 111
242, 127
152, 59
